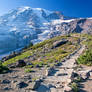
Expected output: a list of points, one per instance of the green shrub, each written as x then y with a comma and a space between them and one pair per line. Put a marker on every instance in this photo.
28, 70
74, 87
39, 63
3, 69
86, 58
79, 79
29, 66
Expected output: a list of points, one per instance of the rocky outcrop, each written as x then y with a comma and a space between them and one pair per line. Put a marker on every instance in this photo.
20, 63
34, 85
82, 25
59, 43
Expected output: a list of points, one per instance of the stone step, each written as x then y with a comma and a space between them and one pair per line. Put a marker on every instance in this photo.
56, 79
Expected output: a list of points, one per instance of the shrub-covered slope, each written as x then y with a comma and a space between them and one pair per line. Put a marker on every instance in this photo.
45, 53
86, 57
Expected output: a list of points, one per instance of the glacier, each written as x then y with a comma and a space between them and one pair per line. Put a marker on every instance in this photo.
23, 25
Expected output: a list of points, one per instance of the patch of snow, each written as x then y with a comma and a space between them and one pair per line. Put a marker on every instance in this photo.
59, 21
40, 9
39, 14
47, 23
22, 9
43, 36
13, 29
47, 12
13, 16
90, 18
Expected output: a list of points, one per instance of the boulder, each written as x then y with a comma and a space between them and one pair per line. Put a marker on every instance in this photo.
59, 43
53, 89
28, 63
5, 81
91, 73
84, 74
21, 84
13, 65
34, 85
20, 63
7, 88
67, 89
49, 71
43, 88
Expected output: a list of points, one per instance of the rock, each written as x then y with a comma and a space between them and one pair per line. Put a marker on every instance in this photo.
58, 64
7, 88
91, 74
20, 63
28, 77
46, 72
34, 85
53, 89
6, 81
21, 84
67, 89
13, 65
75, 74
49, 71
59, 43
84, 74
28, 63
58, 86
32, 91
37, 66
14, 81
68, 81
15, 76
43, 88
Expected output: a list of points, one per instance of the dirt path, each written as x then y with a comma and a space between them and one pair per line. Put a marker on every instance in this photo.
61, 77
57, 81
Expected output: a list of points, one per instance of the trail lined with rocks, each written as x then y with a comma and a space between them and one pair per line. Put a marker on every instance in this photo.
54, 79
61, 76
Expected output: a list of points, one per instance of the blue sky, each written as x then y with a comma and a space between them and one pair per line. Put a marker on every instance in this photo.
75, 8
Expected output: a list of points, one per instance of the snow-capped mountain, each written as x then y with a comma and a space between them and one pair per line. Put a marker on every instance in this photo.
23, 25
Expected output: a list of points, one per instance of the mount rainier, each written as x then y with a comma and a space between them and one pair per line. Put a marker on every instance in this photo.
23, 25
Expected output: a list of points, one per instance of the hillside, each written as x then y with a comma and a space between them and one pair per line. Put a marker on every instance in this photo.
49, 66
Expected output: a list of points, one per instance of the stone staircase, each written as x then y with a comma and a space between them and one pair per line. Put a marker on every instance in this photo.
59, 80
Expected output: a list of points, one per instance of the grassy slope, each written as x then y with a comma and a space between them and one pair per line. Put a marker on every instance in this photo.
86, 57
43, 53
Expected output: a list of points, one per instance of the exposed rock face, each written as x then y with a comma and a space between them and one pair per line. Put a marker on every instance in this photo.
75, 26
34, 85
58, 43
21, 84
20, 63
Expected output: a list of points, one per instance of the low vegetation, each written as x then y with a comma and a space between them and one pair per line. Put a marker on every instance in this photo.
86, 57
28, 70
3, 69
74, 87
42, 54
